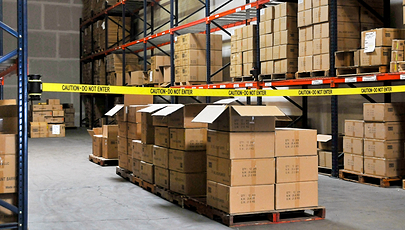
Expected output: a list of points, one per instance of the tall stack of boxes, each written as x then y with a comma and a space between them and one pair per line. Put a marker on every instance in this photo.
47, 120
236, 67
190, 58
397, 56
325, 150
375, 146
266, 27
249, 47
285, 49
113, 64
69, 112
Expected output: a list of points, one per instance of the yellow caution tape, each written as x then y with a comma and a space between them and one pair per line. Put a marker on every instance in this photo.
105, 89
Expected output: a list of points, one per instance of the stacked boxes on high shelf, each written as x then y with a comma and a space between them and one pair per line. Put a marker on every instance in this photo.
69, 112
114, 68
397, 56
266, 27
375, 146
190, 58
236, 67
47, 120
159, 73
249, 50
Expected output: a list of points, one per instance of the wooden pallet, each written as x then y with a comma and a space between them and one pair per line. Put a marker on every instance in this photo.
346, 71
126, 174
282, 76
135, 180
243, 79
168, 195
103, 161
364, 70
312, 74
200, 206
373, 180
148, 186
324, 171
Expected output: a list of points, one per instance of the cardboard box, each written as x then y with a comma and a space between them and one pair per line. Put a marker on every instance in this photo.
266, 40
398, 45
296, 169
286, 9
241, 171
247, 67
188, 139
285, 23
325, 142
325, 159
54, 120
296, 195
53, 101
240, 145
304, 18
136, 167
248, 44
39, 116
241, 199
384, 167
38, 129
285, 51
321, 30
134, 131
187, 161
147, 134
133, 116
267, 13
8, 116
383, 112
384, 149
305, 64
267, 67
295, 142
8, 172
380, 56
181, 116
137, 149
122, 143
192, 41
58, 113
353, 162
188, 183
353, 145
354, 128
110, 131
249, 56
384, 36
286, 37
286, 66
136, 78
56, 130
236, 58
122, 129
199, 57
240, 118
344, 14
305, 48
161, 157
266, 54
266, 27
162, 176
162, 136
110, 148
147, 153
397, 56
249, 31
123, 160
147, 172
385, 131
56, 107
8, 144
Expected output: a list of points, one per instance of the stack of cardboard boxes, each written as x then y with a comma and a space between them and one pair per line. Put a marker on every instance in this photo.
114, 67
105, 141
375, 146
249, 47
113, 30
47, 120
69, 112
190, 58
236, 67
325, 150
397, 56
266, 40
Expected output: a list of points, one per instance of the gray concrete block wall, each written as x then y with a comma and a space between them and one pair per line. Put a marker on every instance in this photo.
53, 44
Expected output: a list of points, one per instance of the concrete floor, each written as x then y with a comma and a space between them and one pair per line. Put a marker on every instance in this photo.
66, 191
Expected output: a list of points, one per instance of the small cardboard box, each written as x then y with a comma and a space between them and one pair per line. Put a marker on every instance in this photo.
160, 121
162, 176
110, 148
240, 118
237, 145
8, 116
56, 107
39, 116
134, 131
285, 23
187, 161
286, 66
110, 131
147, 153
295, 142
8, 144
353, 162
384, 36
122, 129
267, 14
397, 56
296, 195
147, 134
398, 45
385, 131
56, 130
241, 171
295, 169
304, 5
188, 183
147, 172
325, 142
8, 171
54, 120
53, 101
162, 135
266, 40
286, 9
161, 157
380, 56
147, 129
188, 139
136, 78
122, 143
58, 113
384, 112
133, 115
136, 167
241, 199
181, 116
384, 149
38, 129
266, 27
325, 159
304, 18
384, 167
353, 145
123, 160
354, 128
137, 149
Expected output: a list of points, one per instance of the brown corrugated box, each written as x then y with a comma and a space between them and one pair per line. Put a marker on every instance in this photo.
123, 161
160, 121
236, 145
325, 142
384, 149
122, 143
240, 118
241, 199
188, 139
285, 23
147, 153
161, 157
147, 172
286, 66
54, 120
8, 116
353, 145
384, 167
325, 159
344, 14
295, 142
241, 171
56, 130
304, 5
187, 162
162, 136
267, 13
180, 116
384, 36
354, 163
147, 129
380, 56
354, 128
134, 131
188, 183
286, 37
266, 27
304, 18
296, 195
110, 148
98, 145
286, 9
8, 171
295, 169
137, 149
384, 131
122, 129
162, 176
266, 40
384, 112
136, 167
37, 129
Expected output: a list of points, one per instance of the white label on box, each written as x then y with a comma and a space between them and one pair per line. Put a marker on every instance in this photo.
267, 84
370, 78
248, 84
55, 129
222, 86
300, 1
369, 42
248, 7
402, 77
238, 10
262, 12
151, 76
350, 79
235, 85
317, 82
103, 25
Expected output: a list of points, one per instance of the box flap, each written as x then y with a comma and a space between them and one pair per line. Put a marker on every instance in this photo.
168, 110
210, 113
226, 101
91, 132
152, 108
258, 111
114, 110
323, 138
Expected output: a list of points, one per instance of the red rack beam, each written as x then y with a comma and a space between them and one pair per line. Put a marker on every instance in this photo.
8, 71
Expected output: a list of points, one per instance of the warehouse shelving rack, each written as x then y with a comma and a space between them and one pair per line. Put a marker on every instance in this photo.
214, 21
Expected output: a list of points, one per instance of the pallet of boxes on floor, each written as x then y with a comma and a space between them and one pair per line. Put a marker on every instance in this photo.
47, 119
227, 161
374, 147
325, 153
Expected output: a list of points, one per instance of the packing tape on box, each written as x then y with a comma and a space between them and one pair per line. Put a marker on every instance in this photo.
106, 89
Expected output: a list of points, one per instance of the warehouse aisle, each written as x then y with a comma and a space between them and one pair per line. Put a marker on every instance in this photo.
66, 191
